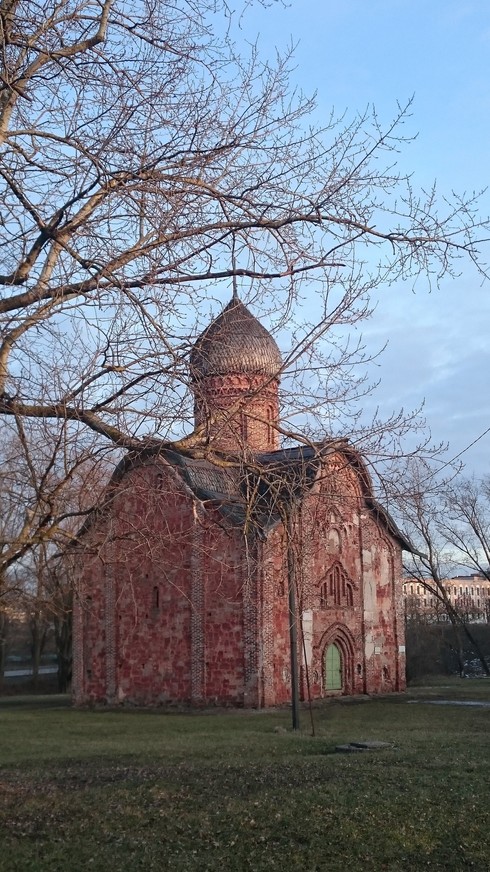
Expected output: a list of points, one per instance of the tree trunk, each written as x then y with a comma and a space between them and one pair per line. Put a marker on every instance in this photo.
63, 638
3, 645
459, 624
38, 639
293, 621
476, 647
458, 649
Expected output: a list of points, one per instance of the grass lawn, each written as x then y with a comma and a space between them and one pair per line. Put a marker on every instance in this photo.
231, 791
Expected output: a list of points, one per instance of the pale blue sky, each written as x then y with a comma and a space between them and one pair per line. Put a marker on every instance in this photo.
355, 53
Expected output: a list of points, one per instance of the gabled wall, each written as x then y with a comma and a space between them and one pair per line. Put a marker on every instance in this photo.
175, 605
348, 572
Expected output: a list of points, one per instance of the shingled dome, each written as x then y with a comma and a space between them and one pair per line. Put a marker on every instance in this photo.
235, 342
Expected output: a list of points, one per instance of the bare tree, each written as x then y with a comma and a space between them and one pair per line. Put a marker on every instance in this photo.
50, 479
423, 510
61, 591
143, 160
4, 622
48, 606
466, 522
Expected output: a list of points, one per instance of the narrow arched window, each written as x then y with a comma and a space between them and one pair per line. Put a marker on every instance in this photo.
155, 601
243, 426
270, 425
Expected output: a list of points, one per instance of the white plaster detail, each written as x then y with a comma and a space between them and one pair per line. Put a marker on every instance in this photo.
307, 621
369, 596
366, 557
369, 645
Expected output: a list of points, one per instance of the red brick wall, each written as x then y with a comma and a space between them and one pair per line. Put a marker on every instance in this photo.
332, 574
172, 605
336, 530
239, 411
176, 611
274, 642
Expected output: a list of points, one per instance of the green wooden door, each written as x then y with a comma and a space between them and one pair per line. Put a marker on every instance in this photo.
333, 668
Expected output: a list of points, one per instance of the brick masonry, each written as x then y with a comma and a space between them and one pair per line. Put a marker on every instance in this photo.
174, 605
238, 411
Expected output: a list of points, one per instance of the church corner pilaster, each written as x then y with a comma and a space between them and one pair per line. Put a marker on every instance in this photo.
251, 584
198, 583
110, 629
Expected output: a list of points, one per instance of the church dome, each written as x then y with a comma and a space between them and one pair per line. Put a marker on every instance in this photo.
235, 343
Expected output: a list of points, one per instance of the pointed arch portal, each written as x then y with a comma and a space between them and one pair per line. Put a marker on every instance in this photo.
336, 650
332, 668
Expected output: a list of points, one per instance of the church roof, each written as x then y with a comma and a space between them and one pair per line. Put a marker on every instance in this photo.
256, 491
234, 343
255, 494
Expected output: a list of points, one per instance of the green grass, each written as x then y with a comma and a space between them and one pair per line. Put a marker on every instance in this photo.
238, 791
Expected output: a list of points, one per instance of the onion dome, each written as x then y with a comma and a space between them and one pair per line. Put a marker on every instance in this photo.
235, 343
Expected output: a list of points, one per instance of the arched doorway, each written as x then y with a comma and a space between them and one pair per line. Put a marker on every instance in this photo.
333, 668
336, 653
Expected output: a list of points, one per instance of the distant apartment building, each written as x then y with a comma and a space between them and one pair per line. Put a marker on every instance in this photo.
469, 594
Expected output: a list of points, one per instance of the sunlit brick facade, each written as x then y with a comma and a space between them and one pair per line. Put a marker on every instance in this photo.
182, 593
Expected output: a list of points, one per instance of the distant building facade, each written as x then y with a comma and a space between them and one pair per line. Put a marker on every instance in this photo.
469, 594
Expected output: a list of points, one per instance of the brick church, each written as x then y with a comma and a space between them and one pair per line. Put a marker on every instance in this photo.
190, 567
